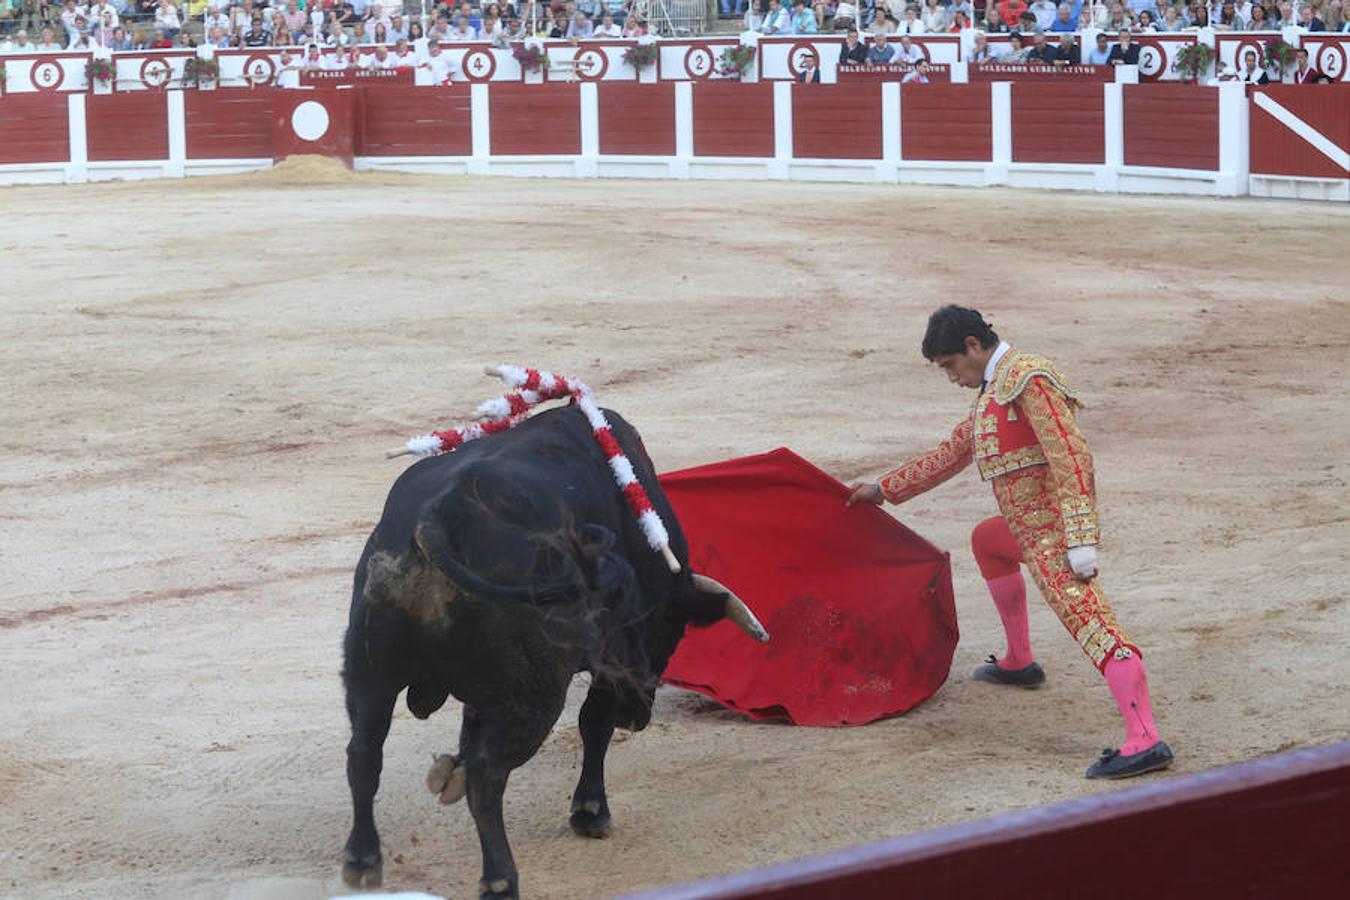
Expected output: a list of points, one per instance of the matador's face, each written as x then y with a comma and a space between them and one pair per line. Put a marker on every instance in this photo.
965, 369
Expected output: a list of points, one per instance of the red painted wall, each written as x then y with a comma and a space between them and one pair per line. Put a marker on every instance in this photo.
531, 119
637, 119
1172, 125
1058, 123
426, 121
1276, 150
34, 128
836, 121
337, 139
733, 119
229, 124
131, 126
946, 122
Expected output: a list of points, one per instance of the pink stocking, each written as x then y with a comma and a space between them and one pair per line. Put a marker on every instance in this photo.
1010, 596
1129, 685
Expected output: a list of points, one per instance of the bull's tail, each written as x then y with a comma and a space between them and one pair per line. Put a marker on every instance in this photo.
434, 546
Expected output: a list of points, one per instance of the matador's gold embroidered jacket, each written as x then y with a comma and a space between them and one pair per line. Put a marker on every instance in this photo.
1023, 417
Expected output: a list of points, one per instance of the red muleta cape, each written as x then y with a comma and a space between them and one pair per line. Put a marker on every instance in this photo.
859, 608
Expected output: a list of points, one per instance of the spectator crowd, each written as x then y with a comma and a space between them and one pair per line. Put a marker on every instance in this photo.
29, 26
1040, 31
899, 17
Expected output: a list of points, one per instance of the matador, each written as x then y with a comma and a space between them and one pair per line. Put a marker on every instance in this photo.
1023, 437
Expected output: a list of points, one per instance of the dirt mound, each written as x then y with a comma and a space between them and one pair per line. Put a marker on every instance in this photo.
308, 169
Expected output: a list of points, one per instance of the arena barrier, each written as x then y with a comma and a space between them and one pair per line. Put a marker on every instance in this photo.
1158, 138
678, 59
1270, 828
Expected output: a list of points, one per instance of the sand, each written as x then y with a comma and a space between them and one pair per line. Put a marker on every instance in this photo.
200, 378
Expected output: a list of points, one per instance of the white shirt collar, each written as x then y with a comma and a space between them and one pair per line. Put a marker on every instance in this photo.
989, 367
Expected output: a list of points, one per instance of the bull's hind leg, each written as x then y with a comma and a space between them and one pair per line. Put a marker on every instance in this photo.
590, 808
492, 744
370, 709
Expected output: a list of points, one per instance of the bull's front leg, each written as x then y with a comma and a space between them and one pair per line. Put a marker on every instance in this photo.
590, 808
370, 709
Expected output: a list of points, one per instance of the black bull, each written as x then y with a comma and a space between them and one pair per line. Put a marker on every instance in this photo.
495, 574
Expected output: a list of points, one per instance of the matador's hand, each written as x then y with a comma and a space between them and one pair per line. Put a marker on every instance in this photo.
865, 492
1083, 561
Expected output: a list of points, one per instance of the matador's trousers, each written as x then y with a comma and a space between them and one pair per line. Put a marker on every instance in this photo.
1032, 519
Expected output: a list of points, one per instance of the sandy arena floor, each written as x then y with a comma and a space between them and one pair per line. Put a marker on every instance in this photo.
199, 379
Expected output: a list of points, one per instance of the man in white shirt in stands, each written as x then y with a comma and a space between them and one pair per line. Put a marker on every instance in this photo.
404, 57
215, 19
607, 28
443, 68
907, 53
1045, 12
776, 20
98, 11
339, 60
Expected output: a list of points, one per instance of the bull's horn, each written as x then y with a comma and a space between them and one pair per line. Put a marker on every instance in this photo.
737, 611
396, 452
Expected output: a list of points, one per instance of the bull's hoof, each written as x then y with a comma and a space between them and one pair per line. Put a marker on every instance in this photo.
497, 889
591, 819
362, 872
446, 778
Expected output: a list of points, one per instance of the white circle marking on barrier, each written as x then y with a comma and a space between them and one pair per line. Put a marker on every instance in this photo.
698, 61
478, 65
1151, 61
155, 72
309, 121
795, 54
592, 64
47, 74
1331, 60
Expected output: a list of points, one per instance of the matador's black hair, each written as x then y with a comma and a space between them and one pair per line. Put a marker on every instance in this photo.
949, 327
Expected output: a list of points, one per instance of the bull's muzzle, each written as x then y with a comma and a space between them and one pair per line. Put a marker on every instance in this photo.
736, 609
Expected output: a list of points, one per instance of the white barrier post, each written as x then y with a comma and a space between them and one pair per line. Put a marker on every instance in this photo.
1234, 158
587, 164
684, 129
177, 134
891, 156
77, 172
1000, 102
1113, 125
481, 124
782, 129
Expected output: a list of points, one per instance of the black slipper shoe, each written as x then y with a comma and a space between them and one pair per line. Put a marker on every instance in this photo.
1113, 765
1031, 676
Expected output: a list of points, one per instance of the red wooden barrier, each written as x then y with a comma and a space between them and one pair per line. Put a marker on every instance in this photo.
321, 121
1279, 149
733, 119
393, 121
1273, 828
131, 126
535, 119
1172, 125
1058, 123
946, 122
34, 128
637, 119
228, 124
832, 121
